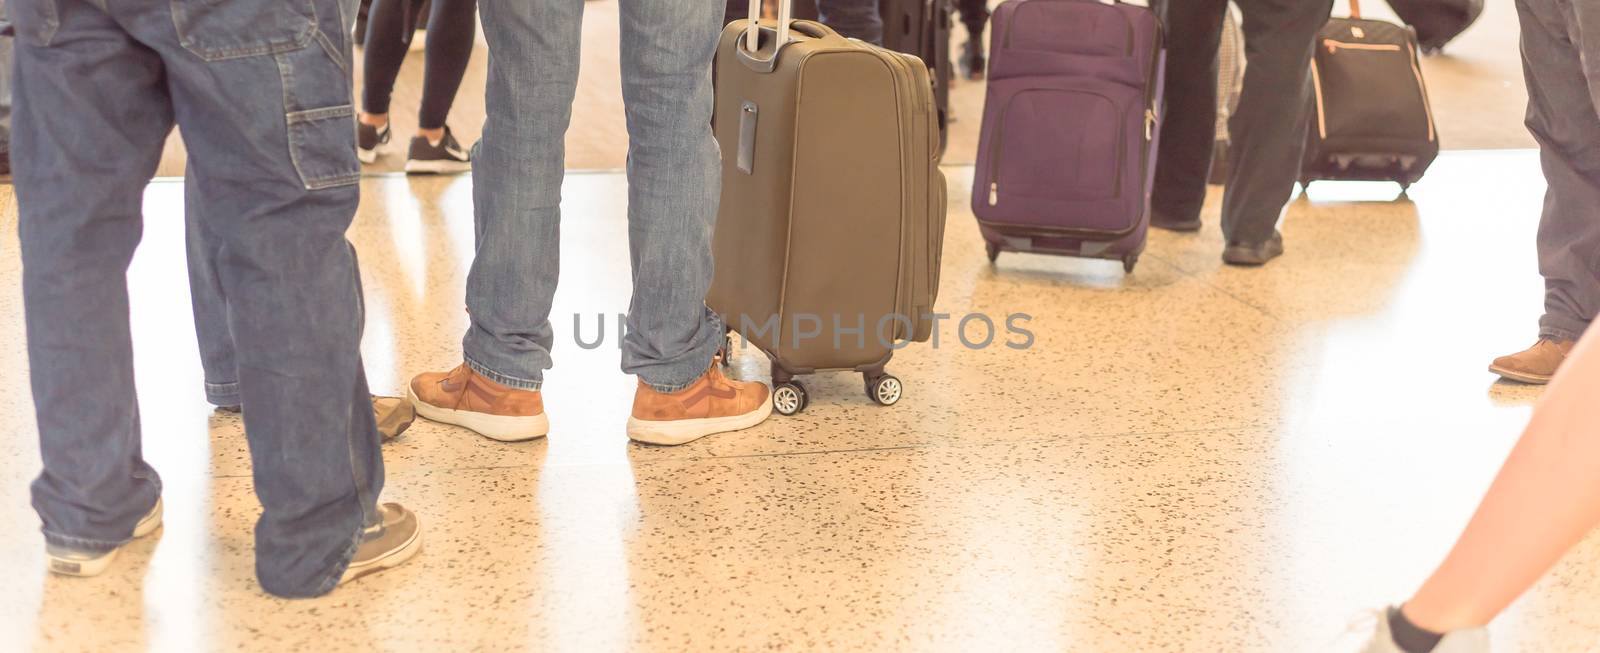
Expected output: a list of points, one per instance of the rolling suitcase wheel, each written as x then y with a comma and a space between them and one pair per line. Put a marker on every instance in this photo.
993, 249
885, 390
789, 398
1128, 263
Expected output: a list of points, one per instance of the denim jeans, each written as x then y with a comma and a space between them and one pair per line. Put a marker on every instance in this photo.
262, 92
1561, 62
674, 183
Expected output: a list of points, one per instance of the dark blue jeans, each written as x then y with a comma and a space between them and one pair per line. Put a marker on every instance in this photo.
262, 92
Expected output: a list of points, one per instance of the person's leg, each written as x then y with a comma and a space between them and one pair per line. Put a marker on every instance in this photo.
1267, 133
1566, 124
5, 104
518, 166
451, 31
1562, 117
381, 56
271, 140
856, 19
1545, 499
975, 16
205, 295
91, 116
674, 185
383, 52
1188, 121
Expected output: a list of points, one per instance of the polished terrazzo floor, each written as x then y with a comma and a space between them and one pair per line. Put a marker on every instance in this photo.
1191, 458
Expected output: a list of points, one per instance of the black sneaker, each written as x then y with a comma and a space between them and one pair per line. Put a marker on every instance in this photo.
1253, 254
368, 141
437, 158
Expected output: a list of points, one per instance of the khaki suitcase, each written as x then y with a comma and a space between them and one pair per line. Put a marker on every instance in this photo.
828, 241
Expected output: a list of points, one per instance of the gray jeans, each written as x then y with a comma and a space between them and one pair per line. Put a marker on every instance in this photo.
674, 183
262, 92
1561, 62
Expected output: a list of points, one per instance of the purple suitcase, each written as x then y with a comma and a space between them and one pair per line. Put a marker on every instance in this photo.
1068, 148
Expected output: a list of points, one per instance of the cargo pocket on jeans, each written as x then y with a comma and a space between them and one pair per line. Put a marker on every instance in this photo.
215, 30
320, 144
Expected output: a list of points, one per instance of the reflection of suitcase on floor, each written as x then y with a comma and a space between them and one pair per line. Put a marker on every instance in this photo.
1437, 22
1370, 118
828, 242
1068, 148
922, 28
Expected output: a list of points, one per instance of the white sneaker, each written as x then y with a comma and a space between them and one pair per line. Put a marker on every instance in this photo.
72, 562
1472, 640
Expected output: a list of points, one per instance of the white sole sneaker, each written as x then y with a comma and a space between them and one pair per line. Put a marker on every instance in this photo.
505, 428
366, 156
436, 167
390, 560
72, 563
683, 431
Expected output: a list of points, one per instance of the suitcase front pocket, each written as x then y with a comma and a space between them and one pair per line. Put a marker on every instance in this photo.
1057, 144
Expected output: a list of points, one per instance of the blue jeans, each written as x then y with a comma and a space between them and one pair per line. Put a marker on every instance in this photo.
262, 92
674, 183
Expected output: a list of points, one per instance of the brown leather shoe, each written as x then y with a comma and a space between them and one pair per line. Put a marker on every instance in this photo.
1536, 364
466, 398
712, 404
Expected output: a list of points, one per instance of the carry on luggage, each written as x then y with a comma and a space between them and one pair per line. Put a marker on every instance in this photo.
922, 28
1230, 81
1370, 117
828, 242
1067, 151
1437, 22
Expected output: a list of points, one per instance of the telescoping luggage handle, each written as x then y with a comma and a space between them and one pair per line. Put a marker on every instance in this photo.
752, 36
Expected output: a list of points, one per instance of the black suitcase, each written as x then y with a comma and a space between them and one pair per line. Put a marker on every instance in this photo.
1370, 117
922, 28
1437, 22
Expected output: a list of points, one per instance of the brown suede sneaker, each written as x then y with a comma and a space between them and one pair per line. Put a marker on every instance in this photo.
1536, 364
466, 398
393, 540
394, 415
712, 404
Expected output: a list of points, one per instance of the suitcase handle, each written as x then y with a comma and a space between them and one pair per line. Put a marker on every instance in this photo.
1355, 9
752, 32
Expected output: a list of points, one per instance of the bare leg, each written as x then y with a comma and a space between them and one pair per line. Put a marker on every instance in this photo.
1545, 499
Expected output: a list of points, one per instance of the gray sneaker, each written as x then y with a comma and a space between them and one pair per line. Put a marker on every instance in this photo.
1254, 254
67, 561
393, 540
1472, 640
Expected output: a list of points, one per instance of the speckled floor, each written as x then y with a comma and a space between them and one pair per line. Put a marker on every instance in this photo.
1192, 458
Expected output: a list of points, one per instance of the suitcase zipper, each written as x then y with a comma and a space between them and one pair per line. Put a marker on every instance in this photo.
1012, 19
1334, 46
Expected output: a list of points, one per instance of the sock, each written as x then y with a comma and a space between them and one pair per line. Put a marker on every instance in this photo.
1410, 637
